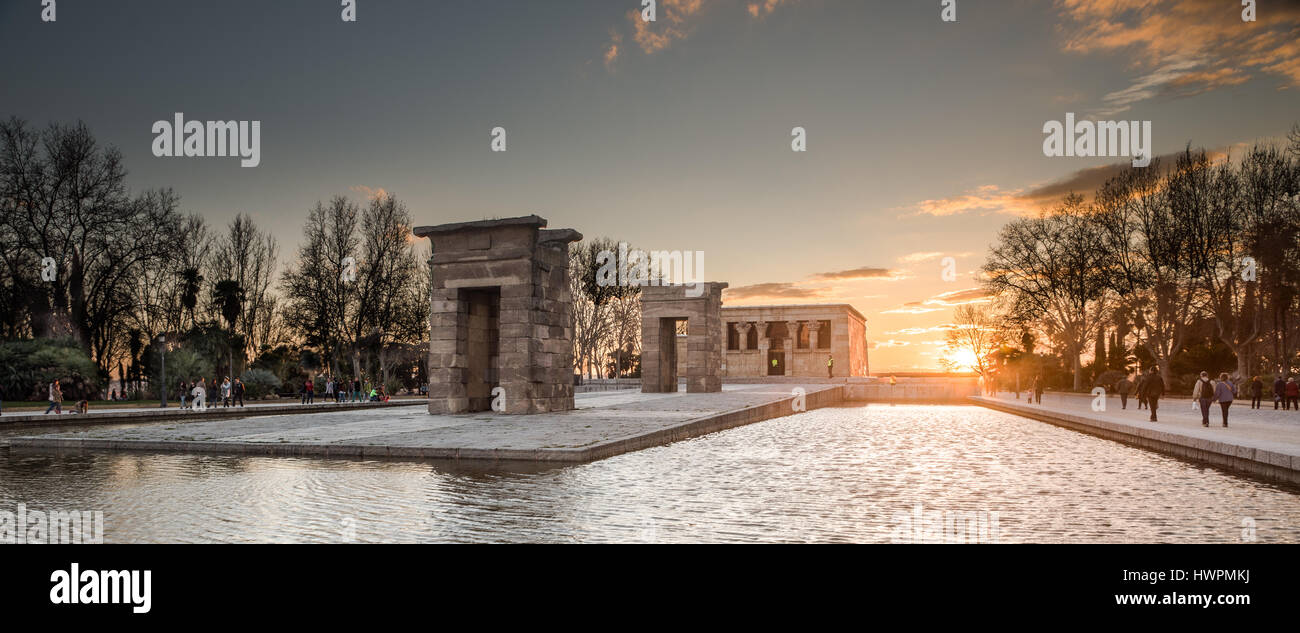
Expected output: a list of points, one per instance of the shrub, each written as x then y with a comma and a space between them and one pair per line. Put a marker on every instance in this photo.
258, 383
182, 364
28, 367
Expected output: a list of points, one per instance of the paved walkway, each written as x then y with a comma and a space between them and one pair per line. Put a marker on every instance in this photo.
1262, 441
604, 424
149, 413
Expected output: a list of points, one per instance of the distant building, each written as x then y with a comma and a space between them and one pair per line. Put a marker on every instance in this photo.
791, 340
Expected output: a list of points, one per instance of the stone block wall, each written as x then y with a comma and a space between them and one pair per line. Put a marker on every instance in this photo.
500, 315
661, 308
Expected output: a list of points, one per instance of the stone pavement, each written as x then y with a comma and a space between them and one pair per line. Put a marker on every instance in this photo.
1263, 442
603, 425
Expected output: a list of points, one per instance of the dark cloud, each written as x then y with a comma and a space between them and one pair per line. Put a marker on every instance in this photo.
859, 273
774, 290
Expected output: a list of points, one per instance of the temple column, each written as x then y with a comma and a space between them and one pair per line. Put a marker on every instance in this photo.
742, 334
791, 344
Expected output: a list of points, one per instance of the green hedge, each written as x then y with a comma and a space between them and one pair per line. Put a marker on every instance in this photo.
28, 367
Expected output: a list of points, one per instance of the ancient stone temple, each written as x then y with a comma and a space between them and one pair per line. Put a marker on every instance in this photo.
662, 309
500, 316
795, 340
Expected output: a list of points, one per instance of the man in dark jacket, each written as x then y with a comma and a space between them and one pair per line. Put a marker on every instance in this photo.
1139, 387
1124, 387
1153, 388
1256, 392
1279, 392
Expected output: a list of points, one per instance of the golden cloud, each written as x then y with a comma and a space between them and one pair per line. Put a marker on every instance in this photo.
1184, 47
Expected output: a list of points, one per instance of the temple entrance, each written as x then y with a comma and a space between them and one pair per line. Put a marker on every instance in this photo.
667, 375
482, 345
776, 363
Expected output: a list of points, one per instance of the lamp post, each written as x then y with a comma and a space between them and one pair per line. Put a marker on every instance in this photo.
162, 385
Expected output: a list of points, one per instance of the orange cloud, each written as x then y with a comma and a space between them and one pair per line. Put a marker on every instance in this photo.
674, 21
370, 193
760, 9
1029, 201
986, 198
1184, 47
959, 297
670, 25
612, 51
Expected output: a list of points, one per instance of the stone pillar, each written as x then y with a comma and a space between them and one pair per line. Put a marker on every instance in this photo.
742, 334
813, 332
791, 344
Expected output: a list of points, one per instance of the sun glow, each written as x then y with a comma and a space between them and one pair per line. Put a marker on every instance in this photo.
960, 359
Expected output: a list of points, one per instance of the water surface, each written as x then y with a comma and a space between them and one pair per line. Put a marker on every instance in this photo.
846, 474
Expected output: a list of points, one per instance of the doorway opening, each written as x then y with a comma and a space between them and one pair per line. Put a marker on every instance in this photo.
482, 345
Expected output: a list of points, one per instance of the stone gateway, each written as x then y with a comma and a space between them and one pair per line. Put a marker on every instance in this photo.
500, 323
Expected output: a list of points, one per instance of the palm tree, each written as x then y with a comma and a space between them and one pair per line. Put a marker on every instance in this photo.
229, 297
191, 283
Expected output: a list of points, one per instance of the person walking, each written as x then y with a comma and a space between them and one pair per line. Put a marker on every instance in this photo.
184, 393
1153, 388
237, 393
56, 399
329, 388
1138, 385
1124, 387
356, 390
1279, 392
1256, 392
225, 393
200, 393
309, 391
1224, 392
1203, 393
1292, 394
1038, 390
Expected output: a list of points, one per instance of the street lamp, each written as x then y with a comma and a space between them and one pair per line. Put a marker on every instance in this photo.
162, 385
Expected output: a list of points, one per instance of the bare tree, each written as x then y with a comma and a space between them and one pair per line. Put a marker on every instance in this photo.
247, 256
64, 197
1052, 270
1148, 260
978, 331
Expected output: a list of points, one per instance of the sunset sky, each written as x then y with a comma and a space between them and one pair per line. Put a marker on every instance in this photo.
924, 137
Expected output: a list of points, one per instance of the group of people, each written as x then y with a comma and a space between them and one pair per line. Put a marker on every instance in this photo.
194, 395
1286, 394
1149, 387
56, 401
1206, 392
344, 391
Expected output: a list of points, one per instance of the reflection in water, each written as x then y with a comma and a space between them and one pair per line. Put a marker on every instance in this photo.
841, 474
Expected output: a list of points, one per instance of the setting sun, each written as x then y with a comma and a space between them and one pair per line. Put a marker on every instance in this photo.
960, 359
